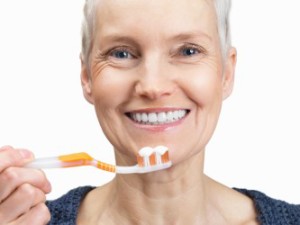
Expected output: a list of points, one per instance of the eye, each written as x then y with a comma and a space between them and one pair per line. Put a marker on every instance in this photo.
121, 54
189, 51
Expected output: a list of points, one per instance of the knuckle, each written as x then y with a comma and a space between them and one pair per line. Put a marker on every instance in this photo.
27, 190
9, 175
9, 158
32, 193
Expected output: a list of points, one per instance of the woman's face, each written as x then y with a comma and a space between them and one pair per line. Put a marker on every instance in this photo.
157, 75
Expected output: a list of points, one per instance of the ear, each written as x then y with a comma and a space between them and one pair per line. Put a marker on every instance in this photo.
86, 82
229, 70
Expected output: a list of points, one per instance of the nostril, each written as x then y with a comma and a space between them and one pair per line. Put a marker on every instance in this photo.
154, 90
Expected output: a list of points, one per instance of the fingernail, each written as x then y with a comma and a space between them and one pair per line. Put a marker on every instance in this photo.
25, 154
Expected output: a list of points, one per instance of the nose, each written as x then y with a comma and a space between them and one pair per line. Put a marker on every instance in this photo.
155, 80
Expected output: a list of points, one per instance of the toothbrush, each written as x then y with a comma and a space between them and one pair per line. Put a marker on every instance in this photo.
149, 160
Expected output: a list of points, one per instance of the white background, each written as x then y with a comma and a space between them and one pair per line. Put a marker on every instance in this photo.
256, 144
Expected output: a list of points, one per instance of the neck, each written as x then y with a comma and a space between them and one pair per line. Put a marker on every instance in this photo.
177, 194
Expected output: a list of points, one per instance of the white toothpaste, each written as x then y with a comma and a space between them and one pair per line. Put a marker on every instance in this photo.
145, 153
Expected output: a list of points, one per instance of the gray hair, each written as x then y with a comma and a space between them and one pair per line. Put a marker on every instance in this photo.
222, 8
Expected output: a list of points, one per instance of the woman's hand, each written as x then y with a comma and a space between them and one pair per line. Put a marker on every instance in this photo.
22, 190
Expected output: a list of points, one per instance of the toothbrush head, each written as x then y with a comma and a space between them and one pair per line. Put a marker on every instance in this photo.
153, 156
149, 160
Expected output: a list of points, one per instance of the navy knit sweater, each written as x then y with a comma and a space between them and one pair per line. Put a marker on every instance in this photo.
269, 211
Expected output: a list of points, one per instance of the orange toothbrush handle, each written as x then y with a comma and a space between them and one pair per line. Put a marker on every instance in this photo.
82, 158
106, 167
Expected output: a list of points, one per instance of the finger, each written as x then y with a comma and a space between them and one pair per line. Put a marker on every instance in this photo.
14, 157
13, 177
37, 215
5, 147
20, 202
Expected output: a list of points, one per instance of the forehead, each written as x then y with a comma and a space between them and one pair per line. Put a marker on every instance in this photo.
163, 17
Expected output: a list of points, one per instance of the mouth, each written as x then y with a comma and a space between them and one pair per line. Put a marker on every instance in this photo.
158, 117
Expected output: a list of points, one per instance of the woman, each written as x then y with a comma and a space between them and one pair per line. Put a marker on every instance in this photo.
148, 57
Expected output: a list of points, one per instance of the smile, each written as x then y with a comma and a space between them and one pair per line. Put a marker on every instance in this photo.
157, 118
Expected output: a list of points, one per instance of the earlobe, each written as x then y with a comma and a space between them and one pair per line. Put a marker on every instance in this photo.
229, 70
86, 82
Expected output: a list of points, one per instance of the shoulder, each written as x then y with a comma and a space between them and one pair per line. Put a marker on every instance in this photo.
64, 209
272, 211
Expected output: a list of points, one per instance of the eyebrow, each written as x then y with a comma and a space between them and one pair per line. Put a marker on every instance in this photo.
190, 35
177, 37
120, 38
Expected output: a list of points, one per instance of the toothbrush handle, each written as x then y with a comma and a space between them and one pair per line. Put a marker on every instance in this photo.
70, 160
44, 163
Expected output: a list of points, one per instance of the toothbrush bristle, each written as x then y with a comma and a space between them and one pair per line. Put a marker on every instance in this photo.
154, 159
140, 161
165, 157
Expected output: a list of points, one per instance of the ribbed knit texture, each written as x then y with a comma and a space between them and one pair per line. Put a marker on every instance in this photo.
64, 209
269, 211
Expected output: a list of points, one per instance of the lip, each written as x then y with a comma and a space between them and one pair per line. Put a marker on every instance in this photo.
157, 127
156, 110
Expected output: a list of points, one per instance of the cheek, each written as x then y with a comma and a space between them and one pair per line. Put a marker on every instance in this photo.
110, 89
204, 88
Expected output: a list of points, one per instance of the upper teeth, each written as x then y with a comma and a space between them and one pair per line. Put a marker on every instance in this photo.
159, 117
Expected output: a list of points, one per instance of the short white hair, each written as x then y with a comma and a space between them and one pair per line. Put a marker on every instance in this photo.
222, 8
